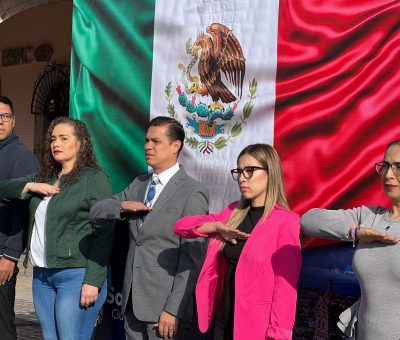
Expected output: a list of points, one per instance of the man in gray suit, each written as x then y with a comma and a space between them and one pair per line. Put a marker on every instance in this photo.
161, 269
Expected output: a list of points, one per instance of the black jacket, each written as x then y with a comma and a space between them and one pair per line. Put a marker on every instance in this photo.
16, 160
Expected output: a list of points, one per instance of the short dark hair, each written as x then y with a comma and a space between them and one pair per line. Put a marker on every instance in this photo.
175, 128
7, 101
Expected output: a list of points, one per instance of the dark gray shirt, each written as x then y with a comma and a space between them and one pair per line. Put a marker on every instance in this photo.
16, 160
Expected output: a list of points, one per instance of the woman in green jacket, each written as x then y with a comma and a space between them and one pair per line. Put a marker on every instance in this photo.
69, 254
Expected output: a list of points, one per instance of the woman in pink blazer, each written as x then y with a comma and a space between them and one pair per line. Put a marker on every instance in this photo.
248, 280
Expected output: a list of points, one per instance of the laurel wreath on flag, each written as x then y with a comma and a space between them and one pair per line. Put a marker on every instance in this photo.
207, 146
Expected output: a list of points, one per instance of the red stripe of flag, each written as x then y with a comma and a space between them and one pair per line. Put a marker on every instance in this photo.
337, 105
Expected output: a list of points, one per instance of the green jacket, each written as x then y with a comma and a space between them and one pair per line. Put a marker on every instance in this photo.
71, 240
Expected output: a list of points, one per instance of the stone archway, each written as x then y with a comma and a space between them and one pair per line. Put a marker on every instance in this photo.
8, 8
50, 100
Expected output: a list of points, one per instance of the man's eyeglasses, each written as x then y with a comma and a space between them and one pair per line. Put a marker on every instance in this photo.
6, 117
383, 167
247, 172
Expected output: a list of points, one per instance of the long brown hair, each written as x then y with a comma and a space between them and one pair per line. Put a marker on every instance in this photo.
50, 169
267, 156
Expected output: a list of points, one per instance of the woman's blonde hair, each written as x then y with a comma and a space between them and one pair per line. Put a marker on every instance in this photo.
267, 156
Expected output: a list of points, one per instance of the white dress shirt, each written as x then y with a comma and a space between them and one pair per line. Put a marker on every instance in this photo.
164, 178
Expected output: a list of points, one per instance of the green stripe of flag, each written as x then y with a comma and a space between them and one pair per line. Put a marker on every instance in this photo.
111, 63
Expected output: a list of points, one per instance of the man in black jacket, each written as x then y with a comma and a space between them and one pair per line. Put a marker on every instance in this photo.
16, 160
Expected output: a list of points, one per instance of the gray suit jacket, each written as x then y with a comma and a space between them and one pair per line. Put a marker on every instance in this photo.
161, 268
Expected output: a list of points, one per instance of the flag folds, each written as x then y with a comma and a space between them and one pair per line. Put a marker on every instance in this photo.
337, 104
317, 79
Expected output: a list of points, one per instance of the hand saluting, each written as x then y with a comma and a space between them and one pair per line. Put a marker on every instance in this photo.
371, 235
41, 189
230, 235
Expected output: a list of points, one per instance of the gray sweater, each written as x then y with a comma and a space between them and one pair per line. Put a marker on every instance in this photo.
376, 265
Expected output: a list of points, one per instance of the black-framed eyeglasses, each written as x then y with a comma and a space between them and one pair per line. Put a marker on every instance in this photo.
383, 167
247, 172
6, 117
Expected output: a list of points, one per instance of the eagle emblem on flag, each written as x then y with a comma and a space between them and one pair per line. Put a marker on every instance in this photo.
211, 96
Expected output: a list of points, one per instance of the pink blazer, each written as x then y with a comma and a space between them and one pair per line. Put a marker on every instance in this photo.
266, 275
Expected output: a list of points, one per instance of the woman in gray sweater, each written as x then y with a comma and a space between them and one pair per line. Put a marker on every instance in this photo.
376, 261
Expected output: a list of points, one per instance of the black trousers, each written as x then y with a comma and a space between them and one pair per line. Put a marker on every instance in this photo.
7, 314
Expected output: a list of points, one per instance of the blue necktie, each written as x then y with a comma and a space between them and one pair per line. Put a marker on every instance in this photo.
151, 193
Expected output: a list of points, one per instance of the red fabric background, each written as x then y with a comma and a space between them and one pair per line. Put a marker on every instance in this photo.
338, 99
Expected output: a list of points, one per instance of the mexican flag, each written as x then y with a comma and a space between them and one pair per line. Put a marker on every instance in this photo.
317, 79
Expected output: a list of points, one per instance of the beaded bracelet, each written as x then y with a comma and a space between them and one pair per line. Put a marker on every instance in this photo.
354, 234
